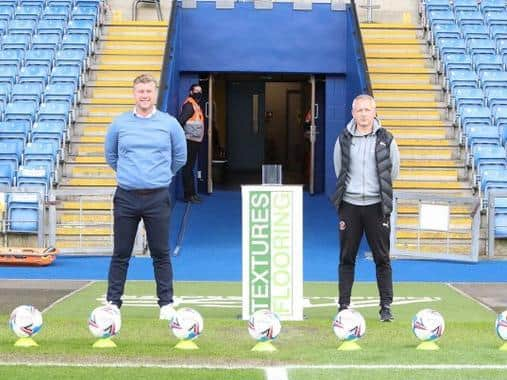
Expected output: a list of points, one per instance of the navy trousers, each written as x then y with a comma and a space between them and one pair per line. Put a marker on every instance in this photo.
188, 170
154, 207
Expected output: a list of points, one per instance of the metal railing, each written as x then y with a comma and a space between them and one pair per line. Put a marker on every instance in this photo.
433, 226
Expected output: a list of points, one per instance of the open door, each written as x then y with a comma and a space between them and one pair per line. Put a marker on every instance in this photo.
312, 135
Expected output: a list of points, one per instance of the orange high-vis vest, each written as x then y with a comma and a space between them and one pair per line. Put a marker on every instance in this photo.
194, 127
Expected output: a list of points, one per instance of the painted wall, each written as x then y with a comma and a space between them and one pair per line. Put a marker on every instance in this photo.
245, 39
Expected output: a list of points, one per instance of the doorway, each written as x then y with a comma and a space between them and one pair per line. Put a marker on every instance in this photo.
259, 119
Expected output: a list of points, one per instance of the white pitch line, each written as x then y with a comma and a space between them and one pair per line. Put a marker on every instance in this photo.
250, 367
276, 373
470, 297
67, 296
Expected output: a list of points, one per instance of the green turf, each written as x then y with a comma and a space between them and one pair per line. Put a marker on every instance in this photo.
469, 337
44, 373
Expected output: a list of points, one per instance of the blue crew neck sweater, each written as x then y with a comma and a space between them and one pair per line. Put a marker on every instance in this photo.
145, 152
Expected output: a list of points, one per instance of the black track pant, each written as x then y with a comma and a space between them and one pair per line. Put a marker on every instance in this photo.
354, 220
188, 174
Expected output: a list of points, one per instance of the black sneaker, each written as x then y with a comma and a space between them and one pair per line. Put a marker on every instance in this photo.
385, 314
342, 307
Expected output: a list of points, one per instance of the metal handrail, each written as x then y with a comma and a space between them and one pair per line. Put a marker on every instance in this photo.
362, 54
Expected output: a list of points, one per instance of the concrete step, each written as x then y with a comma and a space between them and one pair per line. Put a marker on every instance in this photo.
85, 204
410, 114
424, 174
98, 73
429, 163
383, 85
75, 170
136, 47
104, 110
408, 95
88, 182
411, 104
396, 51
89, 159
389, 123
125, 84
434, 247
389, 26
430, 235
85, 139
90, 120
388, 41
403, 78
83, 231
108, 92
397, 62
86, 217
147, 38
81, 129
430, 185
69, 243
86, 150
395, 69
456, 222
419, 143
127, 66
109, 101
386, 33
106, 59
433, 153
422, 133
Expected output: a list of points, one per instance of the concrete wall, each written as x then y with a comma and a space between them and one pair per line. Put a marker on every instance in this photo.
391, 11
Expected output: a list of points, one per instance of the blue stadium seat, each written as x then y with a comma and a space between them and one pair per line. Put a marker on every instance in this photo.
66, 74
496, 97
60, 92
67, 3
495, 18
53, 12
493, 79
10, 152
20, 111
474, 115
86, 27
488, 154
476, 47
484, 62
3, 26
467, 97
27, 12
498, 32
461, 78
469, 18
445, 31
483, 134
8, 74
56, 27
85, 13
465, 5
9, 3
437, 5
46, 41
71, 57
492, 6
478, 32
27, 92
11, 57
76, 41
56, 110
42, 57
41, 154
6, 12
37, 3
34, 74
5, 94
458, 62
26, 27
14, 130
6, 175
450, 46
492, 178
15, 41
23, 212
51, 132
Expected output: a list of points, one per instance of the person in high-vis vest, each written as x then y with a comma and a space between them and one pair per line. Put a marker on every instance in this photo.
192, 120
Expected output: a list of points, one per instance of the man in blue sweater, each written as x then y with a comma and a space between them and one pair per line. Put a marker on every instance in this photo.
145, 147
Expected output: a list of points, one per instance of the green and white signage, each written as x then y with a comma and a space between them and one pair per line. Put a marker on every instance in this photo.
272, 250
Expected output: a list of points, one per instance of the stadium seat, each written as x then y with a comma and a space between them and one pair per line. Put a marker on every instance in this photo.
476, 47
469, 18
14, 130
461, 78
474, 115
493, 79
46, 41
27, 12
57, 12
34, 74
40, 57
495, 18
498, 32
51, 132
11, 57
60, 92
492, 6
56, 27
5, 94
458, 62
6, 175
496, 97
20, 111
440, 17
482, 134
56, 110
450, 46
41, 154
478, 32
6, 12
86, 27
467, 97
71, 57
10, 152
85, 13
23, 212
465, 5
500, 217
66, 74
484, 62
33, 178
445, 31
15, 41
76, 41
25, 27
27, 92
493, 178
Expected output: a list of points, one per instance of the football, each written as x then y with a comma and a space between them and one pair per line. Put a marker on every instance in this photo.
105, 321
428, 325
25, 321
264, 325
501, 325
187, 324
349, 325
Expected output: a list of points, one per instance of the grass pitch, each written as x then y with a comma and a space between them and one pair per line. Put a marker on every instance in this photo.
305, 347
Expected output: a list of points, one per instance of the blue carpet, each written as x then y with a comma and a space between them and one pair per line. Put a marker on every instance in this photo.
211, 251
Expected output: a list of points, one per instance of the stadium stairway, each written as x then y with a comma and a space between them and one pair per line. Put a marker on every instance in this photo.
411, 104
124, 50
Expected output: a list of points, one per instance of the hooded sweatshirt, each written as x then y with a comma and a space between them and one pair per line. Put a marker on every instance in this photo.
362, 182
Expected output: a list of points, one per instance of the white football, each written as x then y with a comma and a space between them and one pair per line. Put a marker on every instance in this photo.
105, 321
187, 324
428, 325
501, 325
349, 325
264, 325
25, 321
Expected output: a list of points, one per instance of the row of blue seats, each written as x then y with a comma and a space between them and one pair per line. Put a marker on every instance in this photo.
466, 18
44, 27
23, 210
53, 42
49, 13
472, 47
464, 5
41, 76
468, 32
33, 92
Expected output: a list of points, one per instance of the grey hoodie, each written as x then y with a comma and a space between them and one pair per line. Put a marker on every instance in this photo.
362, 183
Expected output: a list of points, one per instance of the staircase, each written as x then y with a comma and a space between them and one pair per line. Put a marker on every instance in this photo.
124, 51
410, 104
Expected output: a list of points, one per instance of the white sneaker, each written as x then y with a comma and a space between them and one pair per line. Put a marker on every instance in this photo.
113, 306
167, 312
